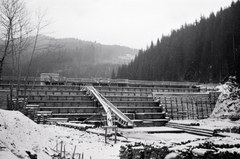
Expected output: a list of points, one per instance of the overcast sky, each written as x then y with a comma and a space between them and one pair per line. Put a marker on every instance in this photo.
132, 23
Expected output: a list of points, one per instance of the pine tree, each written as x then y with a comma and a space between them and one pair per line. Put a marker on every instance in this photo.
113, 76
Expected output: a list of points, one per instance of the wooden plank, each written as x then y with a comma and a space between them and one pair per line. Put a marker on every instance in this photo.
44, 112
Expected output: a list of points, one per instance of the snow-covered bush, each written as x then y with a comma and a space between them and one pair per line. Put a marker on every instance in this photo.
228, 104
203, 150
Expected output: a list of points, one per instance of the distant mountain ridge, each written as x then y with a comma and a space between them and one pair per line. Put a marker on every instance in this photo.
102, 53
75, 58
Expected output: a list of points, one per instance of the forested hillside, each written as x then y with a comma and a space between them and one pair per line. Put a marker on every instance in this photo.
73, 58
205, 51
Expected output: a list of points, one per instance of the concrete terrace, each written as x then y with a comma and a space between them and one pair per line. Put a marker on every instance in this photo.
146, 103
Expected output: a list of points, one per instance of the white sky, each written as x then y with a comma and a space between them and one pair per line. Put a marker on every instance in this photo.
132, 23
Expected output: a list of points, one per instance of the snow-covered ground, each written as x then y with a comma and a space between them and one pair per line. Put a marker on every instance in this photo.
19, 134
211, 123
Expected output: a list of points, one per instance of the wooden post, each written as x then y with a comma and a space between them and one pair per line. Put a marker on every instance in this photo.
182, 108
61, 149
74, 151
197, 108
105, 135
57, 145
202, 108
188, 111
192, 107
171, 108
115, 138
176, 106
64, 152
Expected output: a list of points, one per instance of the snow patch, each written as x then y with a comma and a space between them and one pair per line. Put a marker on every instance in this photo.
228, 103
20, 134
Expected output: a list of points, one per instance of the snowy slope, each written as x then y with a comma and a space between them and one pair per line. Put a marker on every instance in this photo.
19, 134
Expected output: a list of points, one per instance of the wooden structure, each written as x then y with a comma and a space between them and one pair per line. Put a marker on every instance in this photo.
182, 106
138, 100
109, 130
100, 82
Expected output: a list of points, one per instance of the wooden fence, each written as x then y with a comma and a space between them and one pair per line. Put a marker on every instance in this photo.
189, 107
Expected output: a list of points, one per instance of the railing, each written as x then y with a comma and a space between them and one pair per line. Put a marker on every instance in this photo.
105, 80
164, 83
109, 108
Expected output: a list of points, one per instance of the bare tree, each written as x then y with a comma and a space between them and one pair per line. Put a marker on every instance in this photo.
16, 30
13, 24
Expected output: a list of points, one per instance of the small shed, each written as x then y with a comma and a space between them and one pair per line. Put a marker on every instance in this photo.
49, 78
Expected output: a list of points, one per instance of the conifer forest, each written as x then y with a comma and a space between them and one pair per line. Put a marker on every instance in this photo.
204, 51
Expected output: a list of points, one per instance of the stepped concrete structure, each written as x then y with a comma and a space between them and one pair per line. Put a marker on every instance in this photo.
126, 103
